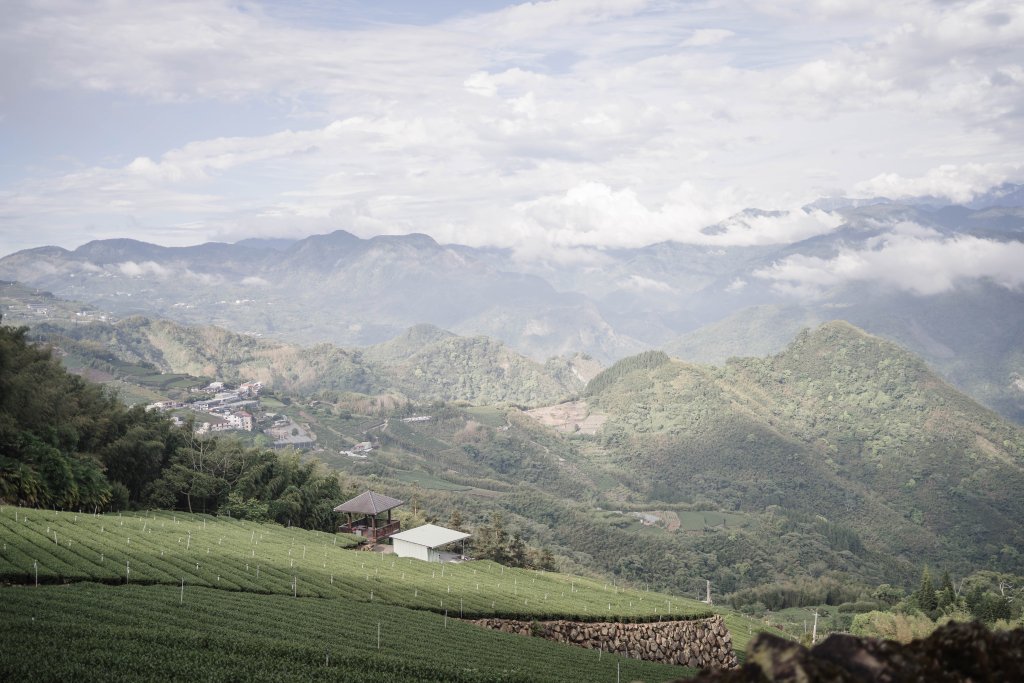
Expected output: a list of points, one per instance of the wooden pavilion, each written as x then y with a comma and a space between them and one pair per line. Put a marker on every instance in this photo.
364, 516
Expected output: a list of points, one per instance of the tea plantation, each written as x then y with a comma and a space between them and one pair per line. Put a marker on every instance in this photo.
234, 599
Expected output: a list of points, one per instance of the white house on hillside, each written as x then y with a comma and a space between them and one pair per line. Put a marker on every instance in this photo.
424, 542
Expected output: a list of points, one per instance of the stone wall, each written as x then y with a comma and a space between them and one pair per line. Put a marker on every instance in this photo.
704, 643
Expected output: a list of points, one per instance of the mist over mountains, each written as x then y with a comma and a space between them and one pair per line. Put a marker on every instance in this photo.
945, 281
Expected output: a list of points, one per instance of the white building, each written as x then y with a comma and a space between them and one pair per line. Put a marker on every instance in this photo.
424, 542
240, 420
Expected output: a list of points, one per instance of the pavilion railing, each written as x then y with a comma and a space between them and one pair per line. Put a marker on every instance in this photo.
363, 527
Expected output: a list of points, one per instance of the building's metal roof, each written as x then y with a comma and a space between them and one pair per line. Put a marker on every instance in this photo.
369, 503
430, 535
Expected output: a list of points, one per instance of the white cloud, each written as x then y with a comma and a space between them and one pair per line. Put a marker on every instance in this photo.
151, 269
143, 269
737, 285
707, 36
955, 183
542, 125
639, 283
910, 258
775, 228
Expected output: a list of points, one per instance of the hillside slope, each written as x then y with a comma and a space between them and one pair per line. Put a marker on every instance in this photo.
424, 364
841, 424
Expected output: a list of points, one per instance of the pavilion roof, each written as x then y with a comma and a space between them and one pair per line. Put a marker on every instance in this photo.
369, 503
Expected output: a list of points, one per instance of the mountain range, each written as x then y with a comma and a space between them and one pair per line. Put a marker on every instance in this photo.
877, 263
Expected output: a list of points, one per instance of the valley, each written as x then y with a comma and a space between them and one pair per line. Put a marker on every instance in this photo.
835, 460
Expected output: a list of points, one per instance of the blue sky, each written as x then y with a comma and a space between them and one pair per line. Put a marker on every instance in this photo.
549, 127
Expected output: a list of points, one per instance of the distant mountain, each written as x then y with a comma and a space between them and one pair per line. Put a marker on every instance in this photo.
840, 424
275, 243
699, 302
336, 287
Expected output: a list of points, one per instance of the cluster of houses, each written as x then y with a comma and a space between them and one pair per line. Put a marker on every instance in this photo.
231, 407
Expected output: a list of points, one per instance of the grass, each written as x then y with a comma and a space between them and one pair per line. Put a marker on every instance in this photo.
219, 552
699, 519
428, 481
133, 394
157, 633
257, 559
320, 594
489, 416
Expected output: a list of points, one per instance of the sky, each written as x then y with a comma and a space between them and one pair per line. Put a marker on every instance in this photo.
547, 126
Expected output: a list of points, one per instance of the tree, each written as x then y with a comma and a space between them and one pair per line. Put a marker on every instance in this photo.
924, 597
545, 560
516, 551
946, 595
491, 540
455, 520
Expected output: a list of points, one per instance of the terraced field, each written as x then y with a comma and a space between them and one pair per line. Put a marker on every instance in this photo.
304, 589
85, 632
219, 552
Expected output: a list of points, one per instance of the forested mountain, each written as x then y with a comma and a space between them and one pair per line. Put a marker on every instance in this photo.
424, 363
737, 294
841, 424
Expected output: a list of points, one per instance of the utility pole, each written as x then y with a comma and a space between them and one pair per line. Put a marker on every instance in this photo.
708, 599
814, 629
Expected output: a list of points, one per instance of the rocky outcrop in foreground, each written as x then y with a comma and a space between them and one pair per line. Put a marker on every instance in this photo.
953, 653
701, 643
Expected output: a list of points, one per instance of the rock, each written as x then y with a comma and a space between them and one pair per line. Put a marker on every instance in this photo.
954, 653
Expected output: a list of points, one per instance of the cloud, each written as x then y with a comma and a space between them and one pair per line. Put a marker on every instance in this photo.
707, 36
543, 126
639, 283
737, 285
143, 269
152, 269
910, 258
781, 227
955, 183
255, 281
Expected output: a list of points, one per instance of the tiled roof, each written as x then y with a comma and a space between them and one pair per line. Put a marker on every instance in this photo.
369, 503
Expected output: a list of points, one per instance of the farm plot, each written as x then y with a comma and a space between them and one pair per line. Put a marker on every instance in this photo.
219, 552
87, 631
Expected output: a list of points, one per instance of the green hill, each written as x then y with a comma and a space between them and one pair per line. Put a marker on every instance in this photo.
424, 364
430, 364
841, 424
